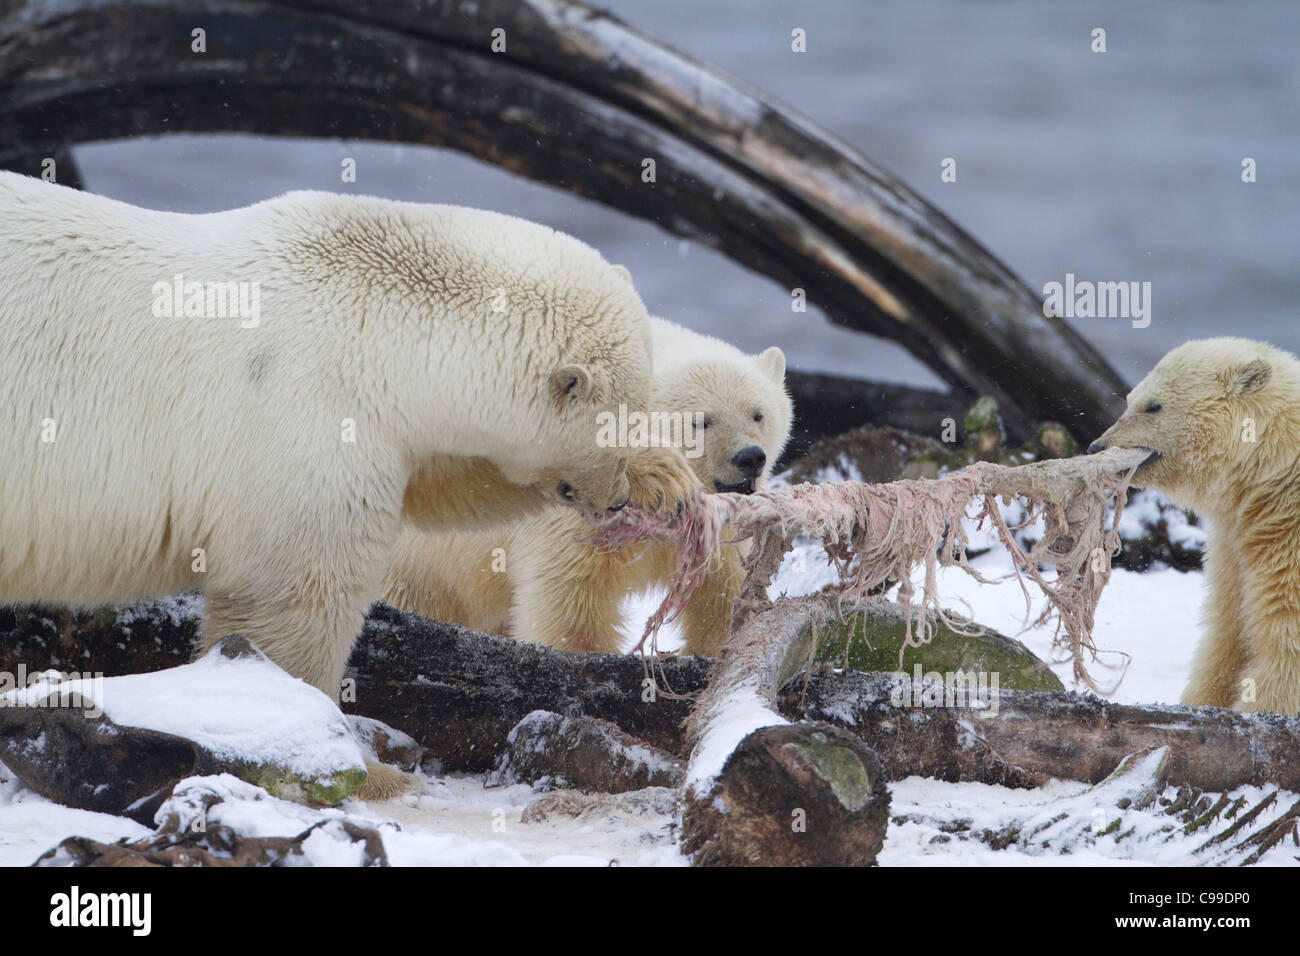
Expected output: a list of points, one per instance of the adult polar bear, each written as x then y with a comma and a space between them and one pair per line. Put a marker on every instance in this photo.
538, 581
466, 355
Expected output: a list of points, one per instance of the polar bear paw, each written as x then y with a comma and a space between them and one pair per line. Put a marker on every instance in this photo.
384, 783
662, 481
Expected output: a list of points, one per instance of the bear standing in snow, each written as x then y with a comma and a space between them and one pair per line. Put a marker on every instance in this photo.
1222, 420
538, 581
252, 402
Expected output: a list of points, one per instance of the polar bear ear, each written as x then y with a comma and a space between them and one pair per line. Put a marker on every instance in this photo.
772, 363
623, 271
571, 382
1250, 377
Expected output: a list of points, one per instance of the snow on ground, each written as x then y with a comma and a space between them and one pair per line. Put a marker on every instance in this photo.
1153, 617
454, 821
930, 842
30, 824
458, 822
914, 844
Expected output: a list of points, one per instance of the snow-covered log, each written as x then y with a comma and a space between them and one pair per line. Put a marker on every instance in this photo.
749, 767
1024, 738
459, 694
762, 791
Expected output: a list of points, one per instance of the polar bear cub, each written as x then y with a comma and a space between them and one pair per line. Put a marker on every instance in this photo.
537, 581
1221, 418
386, 362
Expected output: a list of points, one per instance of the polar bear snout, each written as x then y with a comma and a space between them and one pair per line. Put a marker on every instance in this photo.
750, 461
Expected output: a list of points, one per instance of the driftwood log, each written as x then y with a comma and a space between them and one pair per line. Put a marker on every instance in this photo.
412, 672
1035, 736
579, 100
759, 791
459, 694
1025, 737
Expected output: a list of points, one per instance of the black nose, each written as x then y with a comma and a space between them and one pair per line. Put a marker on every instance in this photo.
1094, 448
750, 461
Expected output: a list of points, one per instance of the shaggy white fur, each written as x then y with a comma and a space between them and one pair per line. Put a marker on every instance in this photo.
433, 363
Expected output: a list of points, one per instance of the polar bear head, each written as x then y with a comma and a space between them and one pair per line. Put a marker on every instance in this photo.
1212, 412
517, 337
603, 366
736, 406
474, 335
582, 470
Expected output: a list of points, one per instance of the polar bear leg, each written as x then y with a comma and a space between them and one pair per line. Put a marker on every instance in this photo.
706, 619
567, 593
1274, 673
311, 642
452, 577
1224, 652
1272, 677
1273, 632
1217, 669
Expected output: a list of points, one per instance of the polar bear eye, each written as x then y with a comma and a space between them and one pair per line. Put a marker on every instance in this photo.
758, 416
705, 423
1152, 408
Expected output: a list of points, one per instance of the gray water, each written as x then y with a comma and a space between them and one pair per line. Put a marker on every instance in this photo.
1117, 166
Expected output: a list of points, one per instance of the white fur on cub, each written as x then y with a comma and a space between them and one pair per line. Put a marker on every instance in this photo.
536, 581
468, 353
1222, 419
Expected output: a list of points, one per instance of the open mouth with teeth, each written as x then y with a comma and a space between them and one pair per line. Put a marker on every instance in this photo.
744, 487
